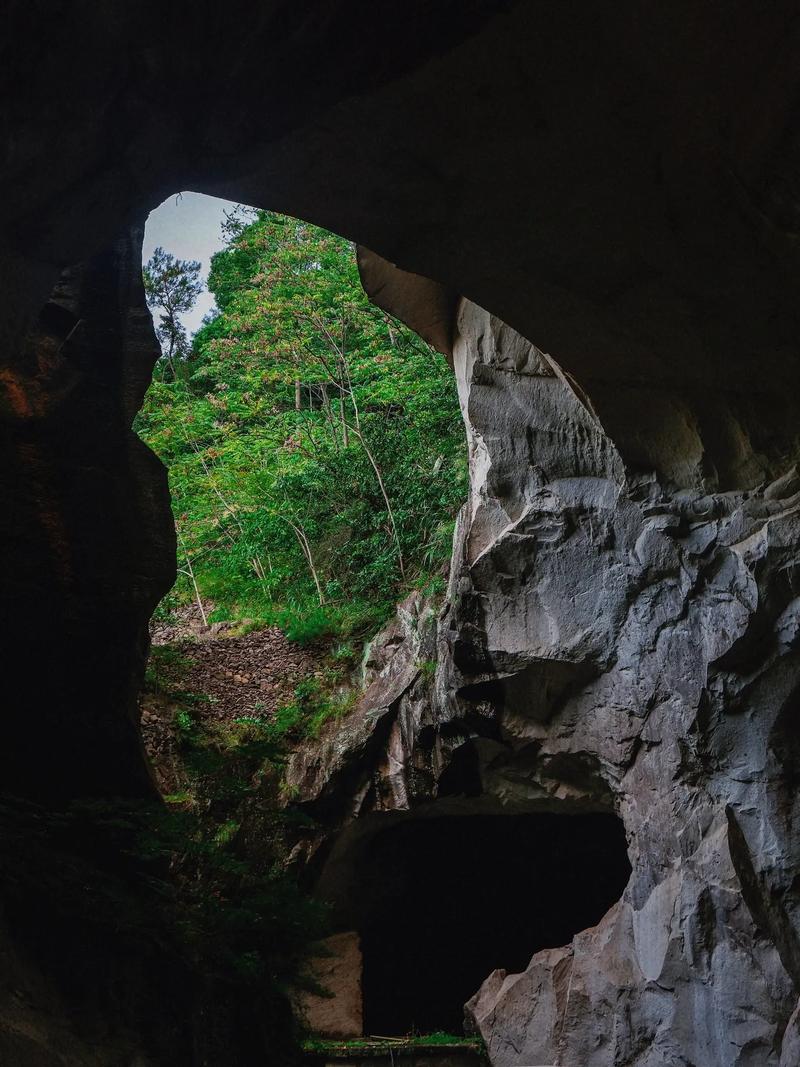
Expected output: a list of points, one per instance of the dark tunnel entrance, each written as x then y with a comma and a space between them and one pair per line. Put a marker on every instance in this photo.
446, 900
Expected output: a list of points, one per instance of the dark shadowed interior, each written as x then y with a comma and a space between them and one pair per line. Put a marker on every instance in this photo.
445, 901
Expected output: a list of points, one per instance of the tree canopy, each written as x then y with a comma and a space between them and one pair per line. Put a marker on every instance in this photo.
315, 447
171, 287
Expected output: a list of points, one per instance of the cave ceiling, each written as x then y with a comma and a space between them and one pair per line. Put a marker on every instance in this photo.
617, 183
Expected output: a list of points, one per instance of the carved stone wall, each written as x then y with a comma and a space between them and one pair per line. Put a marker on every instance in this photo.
334, 1009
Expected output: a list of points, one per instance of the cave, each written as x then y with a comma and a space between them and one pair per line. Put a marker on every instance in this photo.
617, 184
444, 901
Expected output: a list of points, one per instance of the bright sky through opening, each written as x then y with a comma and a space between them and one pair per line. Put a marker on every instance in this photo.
189, 225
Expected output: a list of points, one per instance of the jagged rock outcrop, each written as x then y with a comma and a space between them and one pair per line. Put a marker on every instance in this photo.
610, 640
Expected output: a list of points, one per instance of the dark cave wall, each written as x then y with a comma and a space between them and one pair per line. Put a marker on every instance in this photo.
618, 184
440, 902
87, 535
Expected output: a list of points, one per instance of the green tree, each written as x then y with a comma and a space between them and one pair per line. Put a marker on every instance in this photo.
171, 287
316, 449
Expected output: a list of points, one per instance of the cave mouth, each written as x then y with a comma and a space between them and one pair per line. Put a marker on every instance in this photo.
444, 901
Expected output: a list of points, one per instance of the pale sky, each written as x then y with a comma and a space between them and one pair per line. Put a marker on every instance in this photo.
188, 226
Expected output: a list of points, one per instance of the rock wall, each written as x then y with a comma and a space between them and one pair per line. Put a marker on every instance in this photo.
87, 533
333, 1006
610, 640
644, 635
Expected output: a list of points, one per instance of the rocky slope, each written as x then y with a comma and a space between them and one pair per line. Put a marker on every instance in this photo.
227, 677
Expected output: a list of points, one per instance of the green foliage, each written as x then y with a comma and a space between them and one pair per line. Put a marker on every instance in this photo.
389, 1046
184, 723
171, 287
165, 875
223, 834
164, 664
317, 699
428, 669
315, 446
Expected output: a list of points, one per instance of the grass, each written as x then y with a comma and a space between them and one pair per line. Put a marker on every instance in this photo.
326, 695
428, 669
439, 1041
221, 762
166, 665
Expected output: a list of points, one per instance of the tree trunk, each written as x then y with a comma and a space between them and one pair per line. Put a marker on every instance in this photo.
345, 429
385, 495
300, 534
190, 572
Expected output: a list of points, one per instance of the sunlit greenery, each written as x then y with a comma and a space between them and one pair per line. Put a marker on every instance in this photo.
314, 444
356, 1048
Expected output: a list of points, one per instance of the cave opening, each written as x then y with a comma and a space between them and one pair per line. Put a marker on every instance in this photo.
301, 425
444, 901
439, 901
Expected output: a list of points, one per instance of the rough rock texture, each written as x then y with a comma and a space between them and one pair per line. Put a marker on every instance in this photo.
337, 775
646, 635
609, 640
88, 550
618, 184
791, 1041
338, 1011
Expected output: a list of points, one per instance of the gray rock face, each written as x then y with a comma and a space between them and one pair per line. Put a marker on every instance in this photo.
611, 641
646, 637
